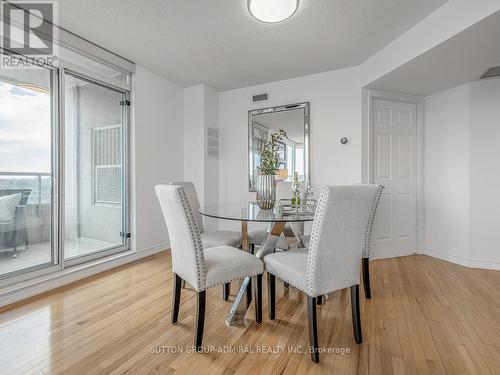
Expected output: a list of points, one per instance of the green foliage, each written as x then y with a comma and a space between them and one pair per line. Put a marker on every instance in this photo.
269, 162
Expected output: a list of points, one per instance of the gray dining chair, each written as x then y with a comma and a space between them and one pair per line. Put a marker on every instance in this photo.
201, 268
333, 261
366, 244
214, 237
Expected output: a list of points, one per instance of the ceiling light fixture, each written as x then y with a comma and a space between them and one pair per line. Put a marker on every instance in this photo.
272, 11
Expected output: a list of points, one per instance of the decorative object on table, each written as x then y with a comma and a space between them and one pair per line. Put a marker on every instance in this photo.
295, 190
269, 166
305, 192
287, 208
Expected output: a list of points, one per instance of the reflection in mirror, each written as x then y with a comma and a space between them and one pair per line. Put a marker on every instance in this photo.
294, 151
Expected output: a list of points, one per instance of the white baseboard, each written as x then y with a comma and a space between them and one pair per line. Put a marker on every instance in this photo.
30, 288
463, 261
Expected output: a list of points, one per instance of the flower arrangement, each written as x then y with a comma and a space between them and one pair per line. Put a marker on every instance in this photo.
269, 161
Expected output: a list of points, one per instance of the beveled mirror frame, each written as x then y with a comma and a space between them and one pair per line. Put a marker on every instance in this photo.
281, 108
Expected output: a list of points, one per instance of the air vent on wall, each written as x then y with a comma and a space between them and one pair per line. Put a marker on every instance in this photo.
212, 143
492, 72
260, 97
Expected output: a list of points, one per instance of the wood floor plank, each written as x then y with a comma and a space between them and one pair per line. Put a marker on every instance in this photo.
426, 316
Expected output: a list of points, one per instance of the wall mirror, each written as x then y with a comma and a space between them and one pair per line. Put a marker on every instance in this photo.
294, 153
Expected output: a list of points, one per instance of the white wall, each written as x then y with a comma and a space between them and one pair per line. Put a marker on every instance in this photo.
485, 171
462, 175
194, 122
201, 110
211, 111
335, 99
446, 181
157, 153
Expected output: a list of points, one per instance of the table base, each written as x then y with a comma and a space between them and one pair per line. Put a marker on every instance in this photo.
240, 305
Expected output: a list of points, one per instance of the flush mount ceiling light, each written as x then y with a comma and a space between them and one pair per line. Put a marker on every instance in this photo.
272, 11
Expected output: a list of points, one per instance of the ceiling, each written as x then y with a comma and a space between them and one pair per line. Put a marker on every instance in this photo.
462, 58
218, 43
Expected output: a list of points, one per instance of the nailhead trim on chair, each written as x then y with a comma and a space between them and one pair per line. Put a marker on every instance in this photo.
313, 245
371, 221
195, 236
228, 281
286, 280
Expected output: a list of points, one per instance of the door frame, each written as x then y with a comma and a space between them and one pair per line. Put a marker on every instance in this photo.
368, 96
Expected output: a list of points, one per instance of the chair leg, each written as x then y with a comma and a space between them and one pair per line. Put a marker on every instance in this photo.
366, 277
226, 288
176, 297
285, 284
249, 292
313, 329
200, 319
319, 300
258, 299
356, 314
271, 296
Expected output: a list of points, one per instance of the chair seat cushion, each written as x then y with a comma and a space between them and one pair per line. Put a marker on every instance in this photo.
220, 238
289, 266
225, 263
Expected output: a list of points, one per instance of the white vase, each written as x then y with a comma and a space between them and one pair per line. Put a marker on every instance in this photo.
266, 191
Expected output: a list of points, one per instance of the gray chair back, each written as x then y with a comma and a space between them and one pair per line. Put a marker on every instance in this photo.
192, 196
188, 259
371, 223
336, 248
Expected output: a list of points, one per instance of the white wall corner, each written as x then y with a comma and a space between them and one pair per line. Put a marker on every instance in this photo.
450, 19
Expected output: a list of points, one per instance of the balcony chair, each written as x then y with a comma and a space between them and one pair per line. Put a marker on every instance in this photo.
13, 230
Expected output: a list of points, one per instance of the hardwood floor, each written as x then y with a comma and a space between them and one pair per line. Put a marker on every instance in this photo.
426, 316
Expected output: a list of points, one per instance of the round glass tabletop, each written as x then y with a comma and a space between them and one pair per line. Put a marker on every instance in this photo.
249, 211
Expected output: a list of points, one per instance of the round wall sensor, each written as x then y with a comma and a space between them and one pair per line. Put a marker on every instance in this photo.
344, 140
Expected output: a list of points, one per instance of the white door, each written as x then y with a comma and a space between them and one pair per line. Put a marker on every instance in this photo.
394, 165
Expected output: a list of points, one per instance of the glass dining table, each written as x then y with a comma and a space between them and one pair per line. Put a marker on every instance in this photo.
250, 212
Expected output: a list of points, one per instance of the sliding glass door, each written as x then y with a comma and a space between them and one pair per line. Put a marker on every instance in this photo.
63, 171
27, 208
94, 169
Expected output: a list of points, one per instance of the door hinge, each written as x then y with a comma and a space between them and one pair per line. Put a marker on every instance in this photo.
125, 102
124, 235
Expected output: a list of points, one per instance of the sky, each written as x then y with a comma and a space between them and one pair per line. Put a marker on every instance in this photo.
24, 130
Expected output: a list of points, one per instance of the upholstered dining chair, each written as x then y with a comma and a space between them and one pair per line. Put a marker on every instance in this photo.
214, 237
201, 268
366, 244
334, 257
